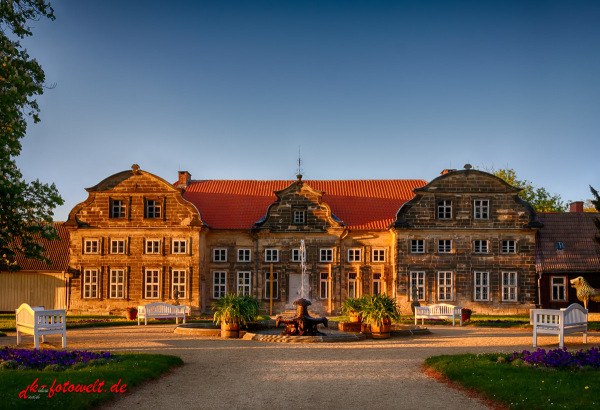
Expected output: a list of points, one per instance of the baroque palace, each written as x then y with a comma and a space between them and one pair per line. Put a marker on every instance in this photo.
464, 238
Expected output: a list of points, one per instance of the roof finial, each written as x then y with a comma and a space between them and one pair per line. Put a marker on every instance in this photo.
299, 171
468, 166
136, 169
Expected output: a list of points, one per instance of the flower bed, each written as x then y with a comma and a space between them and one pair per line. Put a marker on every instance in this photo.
559, 358
39, 359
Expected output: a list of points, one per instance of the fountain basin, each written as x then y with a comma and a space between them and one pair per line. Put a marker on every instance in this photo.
274, 336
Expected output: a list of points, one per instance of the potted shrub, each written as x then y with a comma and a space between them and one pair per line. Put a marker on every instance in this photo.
466, 314
379, 311
231, 311
131, 313
352, 308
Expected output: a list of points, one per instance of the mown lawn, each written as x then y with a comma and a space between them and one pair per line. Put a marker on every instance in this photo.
521, 386
129, 369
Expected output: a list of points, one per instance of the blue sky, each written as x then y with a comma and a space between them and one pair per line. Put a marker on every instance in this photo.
368, 90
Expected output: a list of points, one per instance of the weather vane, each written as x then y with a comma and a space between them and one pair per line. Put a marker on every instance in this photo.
299, 172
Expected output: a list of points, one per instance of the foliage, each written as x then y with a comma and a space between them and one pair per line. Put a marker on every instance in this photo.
559, 358
378, 309
39, 359
130, 369
539, 198
352, 306
131, 309
538, 387
233, 309
596, 203
25, 208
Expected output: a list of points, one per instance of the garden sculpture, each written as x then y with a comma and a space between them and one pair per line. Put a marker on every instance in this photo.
303, 324
585, 292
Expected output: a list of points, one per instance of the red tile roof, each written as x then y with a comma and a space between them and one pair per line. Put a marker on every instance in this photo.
576, 231
360, 204
57, 251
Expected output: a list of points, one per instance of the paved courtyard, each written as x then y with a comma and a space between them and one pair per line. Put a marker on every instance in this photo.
245, 374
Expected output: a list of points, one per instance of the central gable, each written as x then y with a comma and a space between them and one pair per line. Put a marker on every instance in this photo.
298, 208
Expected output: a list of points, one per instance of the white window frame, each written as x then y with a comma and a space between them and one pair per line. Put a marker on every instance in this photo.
275, 285
244, 255
271, 255
117, 284
299, 217
481, 209
352, 289
481, 286
324, 285
445, 285
244, 283
376, 284
119, 206
179, 281
152, 283
378, 255
326, 255
421, 283
118, 246
510, 287
444, 209
91, 246
90, 283
153, 247
179, 247
417, 246
219, 284
508, 246
219, 255
296, 256
153, 209
556, 286
481, 246
444, 246
354, 255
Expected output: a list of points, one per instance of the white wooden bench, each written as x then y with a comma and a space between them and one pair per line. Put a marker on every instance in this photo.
573, 319
39, 322
438, 311
161, 310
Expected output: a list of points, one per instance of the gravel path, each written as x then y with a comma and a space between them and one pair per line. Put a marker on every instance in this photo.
245, 374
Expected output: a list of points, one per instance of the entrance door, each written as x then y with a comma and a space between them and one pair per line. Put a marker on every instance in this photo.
295, 291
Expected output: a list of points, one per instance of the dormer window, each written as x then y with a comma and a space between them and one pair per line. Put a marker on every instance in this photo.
299, 217
117, 208
152, 210
444, 209
481, 209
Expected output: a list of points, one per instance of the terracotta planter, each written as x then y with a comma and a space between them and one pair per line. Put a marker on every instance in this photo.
382, 332
354, 318
466, 316
131, 314
230, 330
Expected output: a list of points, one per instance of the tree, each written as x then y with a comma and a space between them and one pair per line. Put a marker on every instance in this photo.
539, 198
25, 208
596, 203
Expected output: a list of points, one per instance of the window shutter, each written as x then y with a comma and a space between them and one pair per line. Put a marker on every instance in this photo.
102, 246
143, 282
128, 246
108, 246
82, 245
144, 246
110, 207
145, 208
190, 247
189, 281
164, 246
161, 281
170, 283
129, 210
164, 208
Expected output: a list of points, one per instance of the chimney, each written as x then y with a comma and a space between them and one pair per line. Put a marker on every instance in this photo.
447, 171
576, 206
184, 179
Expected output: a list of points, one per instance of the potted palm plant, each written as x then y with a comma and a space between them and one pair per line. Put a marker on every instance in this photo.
352, 308
379, 311
232, 311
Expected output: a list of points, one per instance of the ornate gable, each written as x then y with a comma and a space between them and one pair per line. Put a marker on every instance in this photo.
299, 208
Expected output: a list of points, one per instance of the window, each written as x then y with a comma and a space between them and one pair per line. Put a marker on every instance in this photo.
559, 286
378, 255
152, 280
445, 286
480, 246
417, 281
179, 246
560, 246
219, 255
152, 209
243, 283
482, 286
444, 209
509, 246
354, 255
179, 283
417, 246
326, 255
244, 255
271, 255
219, 284
376, 283
268, 285
91, 246
153, 246
117, 283
296, 256
117, 246
444, 246
481, 209
324, 286
509, 286
117, 208
352, 285
90, 283
299, 217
